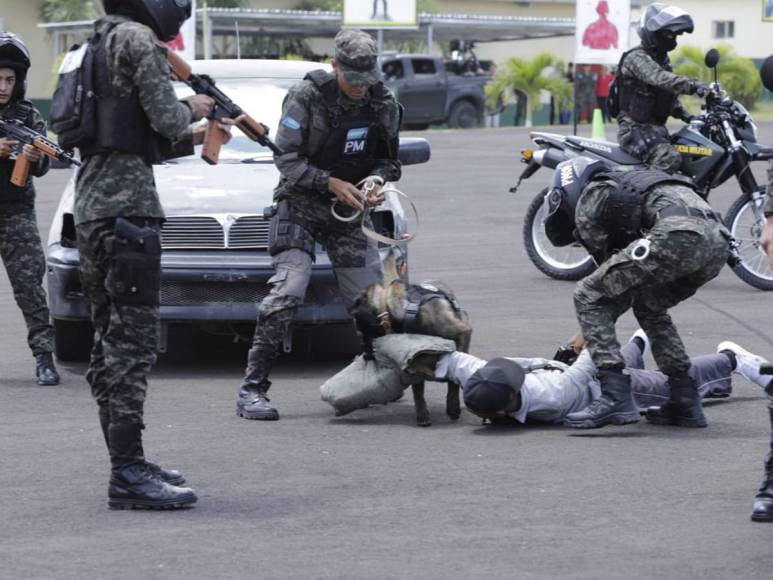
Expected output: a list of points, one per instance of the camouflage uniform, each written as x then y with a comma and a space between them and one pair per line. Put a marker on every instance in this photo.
685, 253
304, 201
20, 245
112, 185
649, 140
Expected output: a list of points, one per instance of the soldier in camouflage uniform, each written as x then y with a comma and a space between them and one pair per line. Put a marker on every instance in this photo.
336, 129
20, 246
762, 510
118, 219
656, 242
648, 90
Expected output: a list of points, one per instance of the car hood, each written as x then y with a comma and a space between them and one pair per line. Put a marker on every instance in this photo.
191, 187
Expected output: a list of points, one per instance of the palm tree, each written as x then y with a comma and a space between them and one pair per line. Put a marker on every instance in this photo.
530, 77
738, 75
66, 10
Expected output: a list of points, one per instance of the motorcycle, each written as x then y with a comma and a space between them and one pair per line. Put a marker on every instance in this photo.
716, 145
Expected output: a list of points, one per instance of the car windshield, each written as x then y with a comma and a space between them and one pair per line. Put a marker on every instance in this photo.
259, 97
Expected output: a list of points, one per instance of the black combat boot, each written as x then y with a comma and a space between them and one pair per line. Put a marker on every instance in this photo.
170, 476
132, 483
253, 402
45, 370
615, 406
762, 511
683, 407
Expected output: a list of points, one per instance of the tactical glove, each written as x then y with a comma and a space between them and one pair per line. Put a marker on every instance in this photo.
700, 89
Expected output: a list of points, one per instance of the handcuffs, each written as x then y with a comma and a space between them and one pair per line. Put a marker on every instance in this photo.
368, 187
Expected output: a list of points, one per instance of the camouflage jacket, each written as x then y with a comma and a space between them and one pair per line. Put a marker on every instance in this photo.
304, 128
638, 64
591, 208
13, 198
121, 184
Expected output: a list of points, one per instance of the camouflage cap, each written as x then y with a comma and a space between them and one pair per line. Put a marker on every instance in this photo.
357, 56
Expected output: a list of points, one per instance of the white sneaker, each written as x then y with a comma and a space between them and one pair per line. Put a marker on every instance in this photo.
747, 363
643, 335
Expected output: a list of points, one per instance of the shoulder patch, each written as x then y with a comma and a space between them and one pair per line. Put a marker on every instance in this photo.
291, 123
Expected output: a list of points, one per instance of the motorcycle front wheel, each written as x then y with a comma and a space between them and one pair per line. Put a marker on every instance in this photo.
567, 263
746, 221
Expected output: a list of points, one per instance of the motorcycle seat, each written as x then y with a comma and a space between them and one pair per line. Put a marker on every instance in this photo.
605, 149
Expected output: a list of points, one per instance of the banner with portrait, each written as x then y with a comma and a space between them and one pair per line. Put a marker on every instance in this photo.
602, 29
380, 14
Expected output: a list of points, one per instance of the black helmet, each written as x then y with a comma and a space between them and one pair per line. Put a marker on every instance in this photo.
164, 17
661, 24
14, 54
569, 181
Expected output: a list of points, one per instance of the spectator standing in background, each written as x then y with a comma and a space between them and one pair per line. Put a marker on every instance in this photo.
603, 80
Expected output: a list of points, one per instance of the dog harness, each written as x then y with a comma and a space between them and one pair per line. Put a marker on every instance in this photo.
415, 297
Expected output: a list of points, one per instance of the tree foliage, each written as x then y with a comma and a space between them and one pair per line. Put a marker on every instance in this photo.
530, 77
222, 3
66, 10
737, 74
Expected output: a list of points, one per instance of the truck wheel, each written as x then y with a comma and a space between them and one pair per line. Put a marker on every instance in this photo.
72, 340
463, 115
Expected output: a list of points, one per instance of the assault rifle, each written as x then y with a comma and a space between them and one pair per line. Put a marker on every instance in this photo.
17, 131
224, 107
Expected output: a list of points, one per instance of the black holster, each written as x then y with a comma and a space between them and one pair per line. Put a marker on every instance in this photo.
288, 231
135, 274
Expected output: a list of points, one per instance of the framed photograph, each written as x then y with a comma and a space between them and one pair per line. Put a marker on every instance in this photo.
380, 14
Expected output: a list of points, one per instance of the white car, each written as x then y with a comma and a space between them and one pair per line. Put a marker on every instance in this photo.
215, 263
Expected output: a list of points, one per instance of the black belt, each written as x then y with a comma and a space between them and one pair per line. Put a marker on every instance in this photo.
673, 210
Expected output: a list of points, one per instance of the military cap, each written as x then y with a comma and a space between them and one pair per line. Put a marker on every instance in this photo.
357, 56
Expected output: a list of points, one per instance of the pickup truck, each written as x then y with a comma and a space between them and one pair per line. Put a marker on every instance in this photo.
431, 94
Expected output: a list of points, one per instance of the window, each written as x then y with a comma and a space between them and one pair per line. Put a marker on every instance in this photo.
423, 66
393, 70
723, 28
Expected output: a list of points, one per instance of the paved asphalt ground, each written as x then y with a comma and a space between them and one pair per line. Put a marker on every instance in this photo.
371, 495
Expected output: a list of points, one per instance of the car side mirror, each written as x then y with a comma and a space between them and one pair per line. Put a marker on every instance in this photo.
712, 58
413, 150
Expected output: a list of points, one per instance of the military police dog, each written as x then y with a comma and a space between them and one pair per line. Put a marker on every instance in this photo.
428, 308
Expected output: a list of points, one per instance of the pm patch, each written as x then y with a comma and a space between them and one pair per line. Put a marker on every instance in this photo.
291, 123
355, 141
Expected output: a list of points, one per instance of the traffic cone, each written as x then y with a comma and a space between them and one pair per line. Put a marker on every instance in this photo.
597, 130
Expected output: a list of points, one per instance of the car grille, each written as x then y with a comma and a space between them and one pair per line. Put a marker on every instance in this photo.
179, 294
202, 232
191, 232
249, 232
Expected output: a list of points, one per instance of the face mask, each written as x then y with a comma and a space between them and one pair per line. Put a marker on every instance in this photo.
667, 42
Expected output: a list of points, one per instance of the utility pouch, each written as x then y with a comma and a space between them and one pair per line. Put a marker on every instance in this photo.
288, 232
135, 274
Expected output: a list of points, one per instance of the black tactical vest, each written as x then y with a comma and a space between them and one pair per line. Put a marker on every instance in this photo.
645, 103
10, 193
349, 151
121, 123
623, 213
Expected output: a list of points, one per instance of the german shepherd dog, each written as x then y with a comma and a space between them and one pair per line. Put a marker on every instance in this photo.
381, 310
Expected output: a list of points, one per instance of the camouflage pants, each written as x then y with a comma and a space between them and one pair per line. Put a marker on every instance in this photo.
685, 254
355, 261
25, 263
125, 336
651, 144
